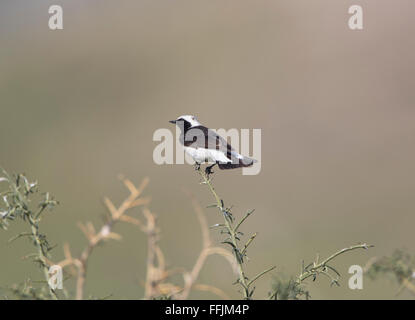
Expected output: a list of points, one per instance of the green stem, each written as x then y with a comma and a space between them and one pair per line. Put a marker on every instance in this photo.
35, 233
260, 275
232, 233
243, 281
317, 266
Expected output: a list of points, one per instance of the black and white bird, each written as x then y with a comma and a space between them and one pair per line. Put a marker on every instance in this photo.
205, 146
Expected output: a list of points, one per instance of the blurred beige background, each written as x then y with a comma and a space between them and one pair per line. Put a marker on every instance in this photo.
79, 106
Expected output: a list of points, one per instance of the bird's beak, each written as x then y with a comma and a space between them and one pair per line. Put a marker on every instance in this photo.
173, 121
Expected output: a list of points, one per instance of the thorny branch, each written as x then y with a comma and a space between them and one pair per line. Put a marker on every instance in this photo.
207, 250
155, 284
315, 268
400, 264
293, 289
95, 238
233, 238
17, 203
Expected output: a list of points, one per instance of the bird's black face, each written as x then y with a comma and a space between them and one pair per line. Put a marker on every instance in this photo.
176, 121
182, 123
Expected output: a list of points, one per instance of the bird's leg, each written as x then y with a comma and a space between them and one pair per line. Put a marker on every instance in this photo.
208, 170
197, 166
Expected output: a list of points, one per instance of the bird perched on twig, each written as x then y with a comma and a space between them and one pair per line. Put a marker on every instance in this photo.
205, 146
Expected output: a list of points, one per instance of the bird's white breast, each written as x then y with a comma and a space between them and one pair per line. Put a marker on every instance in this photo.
211, 155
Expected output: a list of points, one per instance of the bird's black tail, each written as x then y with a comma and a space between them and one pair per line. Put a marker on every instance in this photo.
245, 162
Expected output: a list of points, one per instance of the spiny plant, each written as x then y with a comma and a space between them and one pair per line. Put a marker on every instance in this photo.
18, 198
281, 289
17, 201
22, 200
401, 265
231, 229
287, 288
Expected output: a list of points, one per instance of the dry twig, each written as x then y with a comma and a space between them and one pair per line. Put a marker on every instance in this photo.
106, 232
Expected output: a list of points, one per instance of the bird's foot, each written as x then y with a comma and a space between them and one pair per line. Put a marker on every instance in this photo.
208, 170
197, 166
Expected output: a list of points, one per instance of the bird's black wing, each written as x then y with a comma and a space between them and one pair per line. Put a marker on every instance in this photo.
202, 137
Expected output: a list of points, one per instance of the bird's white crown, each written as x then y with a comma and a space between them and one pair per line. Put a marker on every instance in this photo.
189, 118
